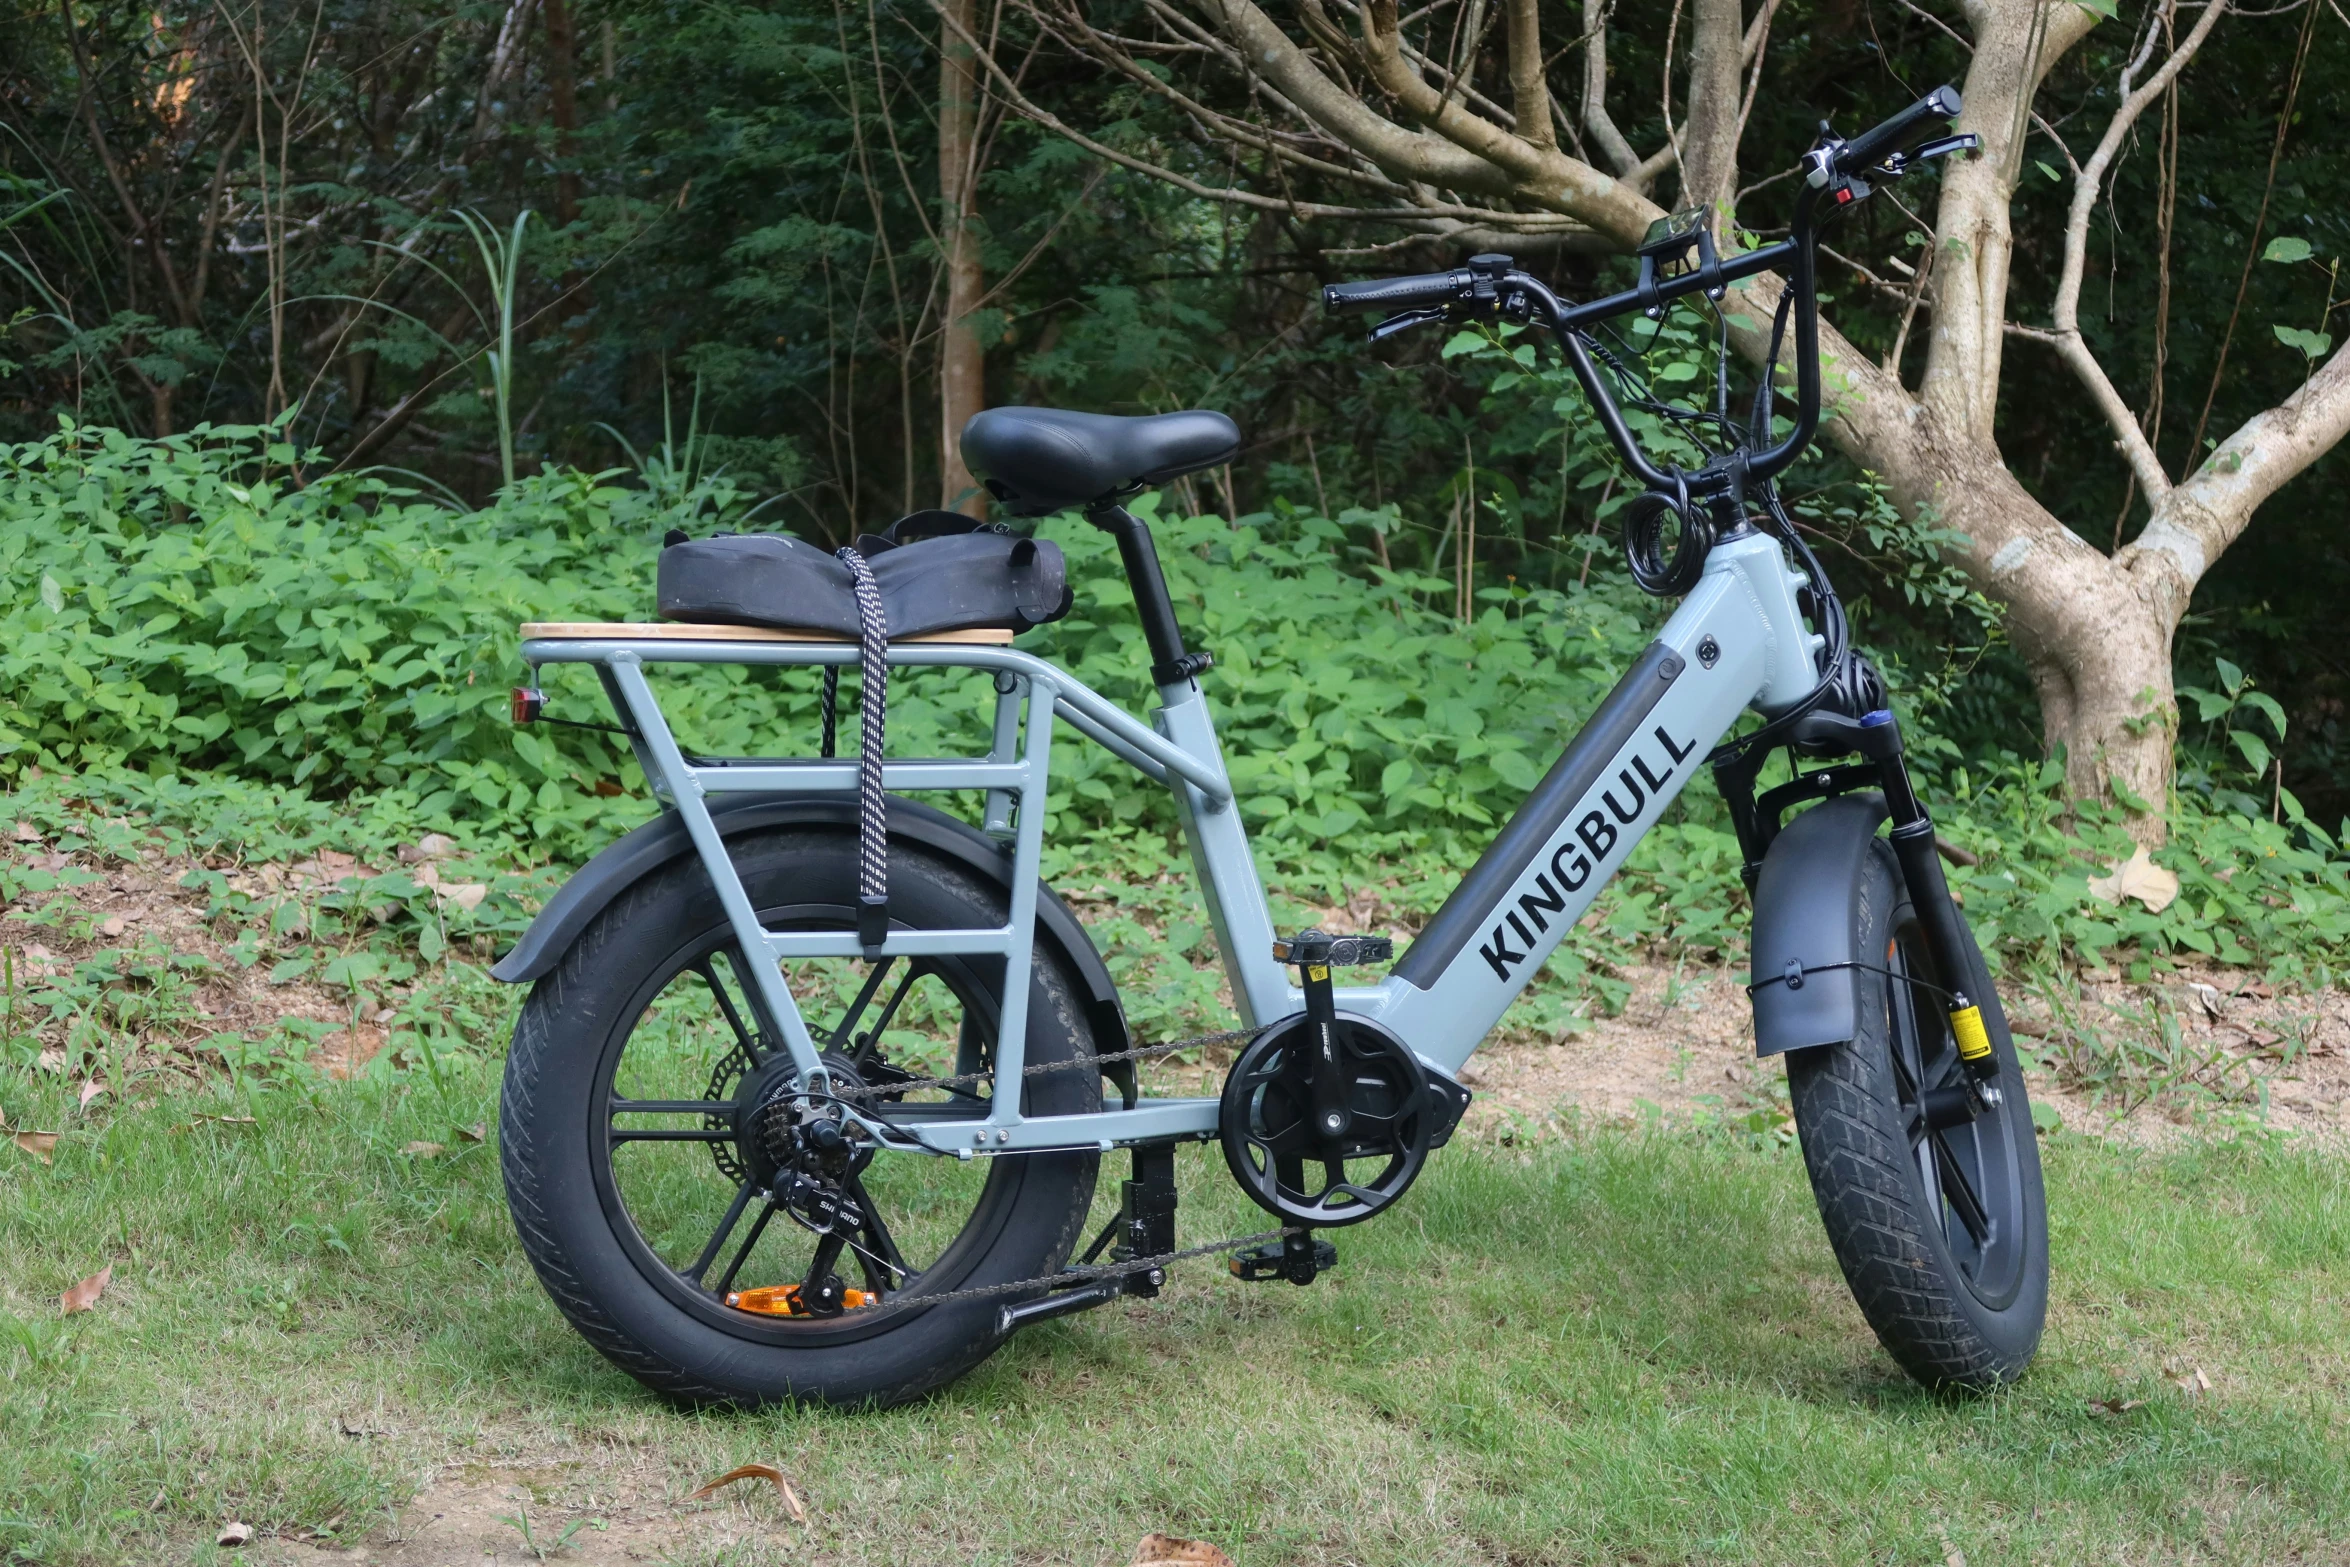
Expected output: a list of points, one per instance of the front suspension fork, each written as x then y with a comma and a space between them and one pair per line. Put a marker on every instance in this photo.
1879, 739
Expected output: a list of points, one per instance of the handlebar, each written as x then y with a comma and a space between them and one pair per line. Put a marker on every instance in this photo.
1903, 131
1492, 282
1435, 288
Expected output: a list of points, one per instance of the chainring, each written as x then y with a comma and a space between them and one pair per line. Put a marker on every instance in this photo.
1270, 1139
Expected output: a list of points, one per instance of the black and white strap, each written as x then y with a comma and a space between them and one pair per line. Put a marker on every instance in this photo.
873, 715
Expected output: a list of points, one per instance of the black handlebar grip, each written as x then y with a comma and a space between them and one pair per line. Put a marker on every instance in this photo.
1398, 293
1905, 130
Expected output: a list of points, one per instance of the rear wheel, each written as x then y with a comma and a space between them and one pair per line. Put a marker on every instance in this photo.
1938, 1219
650, 1125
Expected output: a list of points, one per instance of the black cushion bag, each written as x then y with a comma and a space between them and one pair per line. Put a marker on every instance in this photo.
956, 582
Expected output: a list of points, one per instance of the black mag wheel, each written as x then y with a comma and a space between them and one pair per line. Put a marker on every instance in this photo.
710, 1230
1938, 1217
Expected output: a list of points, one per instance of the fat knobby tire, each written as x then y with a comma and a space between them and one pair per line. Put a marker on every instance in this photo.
1873, 1199
1023, 1225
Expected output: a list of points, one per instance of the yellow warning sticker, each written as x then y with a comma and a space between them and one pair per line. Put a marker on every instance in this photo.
1316, 972
1967, 1025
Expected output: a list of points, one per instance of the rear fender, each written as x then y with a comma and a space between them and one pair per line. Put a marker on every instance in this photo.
1807, 922
640, 853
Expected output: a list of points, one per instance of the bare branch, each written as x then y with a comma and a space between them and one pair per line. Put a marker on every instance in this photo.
2211, 507
2088, 188
1595, 120
1431, 208
1542, 176
1529, 93
1401, 154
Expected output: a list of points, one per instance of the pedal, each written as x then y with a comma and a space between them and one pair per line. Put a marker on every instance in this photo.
1298, 1258
1319, 949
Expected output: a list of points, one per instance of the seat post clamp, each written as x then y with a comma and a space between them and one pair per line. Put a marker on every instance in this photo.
1175, 671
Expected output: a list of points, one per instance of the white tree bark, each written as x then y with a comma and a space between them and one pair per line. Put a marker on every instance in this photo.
2095, 629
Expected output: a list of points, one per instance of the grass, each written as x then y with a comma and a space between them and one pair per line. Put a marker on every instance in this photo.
1616, 1346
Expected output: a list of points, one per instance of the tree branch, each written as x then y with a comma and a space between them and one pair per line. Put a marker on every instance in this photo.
2210, 508
1529, 91
1543, 176
2088, 187
1595, 117
1033, 111
1401, 154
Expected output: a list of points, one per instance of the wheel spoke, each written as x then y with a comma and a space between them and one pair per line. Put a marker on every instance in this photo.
672, 1134
734, 1211
885, 1251
865, 994
889, 1009
708, 969
742, 1253
1960, 1193
673, 1107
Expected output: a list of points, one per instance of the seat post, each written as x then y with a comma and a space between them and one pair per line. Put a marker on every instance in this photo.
1170, 665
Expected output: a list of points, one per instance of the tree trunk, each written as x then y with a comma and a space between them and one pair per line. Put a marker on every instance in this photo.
1709, 143
962, 377
562, 102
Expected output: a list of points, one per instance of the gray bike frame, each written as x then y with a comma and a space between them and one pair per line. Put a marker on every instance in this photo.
1737, 640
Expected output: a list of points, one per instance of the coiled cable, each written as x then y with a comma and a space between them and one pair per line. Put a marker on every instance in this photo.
1646, 520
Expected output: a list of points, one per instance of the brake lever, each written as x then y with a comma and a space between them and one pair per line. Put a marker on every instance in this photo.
1942, 147
1404, 322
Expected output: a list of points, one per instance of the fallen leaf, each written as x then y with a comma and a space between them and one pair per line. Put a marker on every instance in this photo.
1952, 1556
2137, 877
791, 1498
471, 1134
336, 861
85, 1294
383, 1015
2208, 995
26, 832
432, 846
2115, 1406
51, 1061
233, 1535
422, 1150
39, 1144
2193, 1382
91, 1090
113, 925
1166, 1550
220, 1120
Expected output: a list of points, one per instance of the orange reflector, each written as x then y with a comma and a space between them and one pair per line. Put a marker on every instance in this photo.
783, 1300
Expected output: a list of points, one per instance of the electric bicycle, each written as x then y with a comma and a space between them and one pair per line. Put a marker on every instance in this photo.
810, 1093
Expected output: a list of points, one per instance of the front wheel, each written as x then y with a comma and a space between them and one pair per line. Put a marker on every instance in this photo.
1939, 1221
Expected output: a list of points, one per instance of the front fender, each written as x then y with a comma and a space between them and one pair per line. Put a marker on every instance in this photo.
1807, 913
639, 853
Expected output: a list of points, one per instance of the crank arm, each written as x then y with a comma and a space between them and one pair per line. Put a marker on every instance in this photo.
1066, 1304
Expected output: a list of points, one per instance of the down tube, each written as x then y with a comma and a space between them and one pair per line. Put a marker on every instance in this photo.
1444, 1014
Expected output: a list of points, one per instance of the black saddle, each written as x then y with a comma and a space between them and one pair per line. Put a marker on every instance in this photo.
1037, 460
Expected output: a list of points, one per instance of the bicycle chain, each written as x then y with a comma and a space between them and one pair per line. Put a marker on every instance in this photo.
1140, 1052
1072, 1277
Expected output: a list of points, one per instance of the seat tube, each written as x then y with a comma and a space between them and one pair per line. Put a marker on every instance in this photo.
1228, 881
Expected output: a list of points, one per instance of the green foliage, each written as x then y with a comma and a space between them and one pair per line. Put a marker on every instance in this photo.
200, 656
